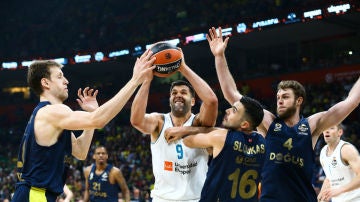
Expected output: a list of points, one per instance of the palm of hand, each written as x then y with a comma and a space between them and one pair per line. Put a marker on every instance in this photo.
217, 46
89, 103
87, 99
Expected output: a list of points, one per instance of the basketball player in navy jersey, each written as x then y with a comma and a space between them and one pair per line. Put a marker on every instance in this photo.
238, 153
47, 140
103, 181
290, 138
179, 171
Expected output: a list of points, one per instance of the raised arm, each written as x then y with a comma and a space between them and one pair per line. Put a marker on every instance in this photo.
209, 106
337, 113
63, 117
146, 123
227, 83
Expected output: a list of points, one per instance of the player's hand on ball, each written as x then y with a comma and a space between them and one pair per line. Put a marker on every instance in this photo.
143, 69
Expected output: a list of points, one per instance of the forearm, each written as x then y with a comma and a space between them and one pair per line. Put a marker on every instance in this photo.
81, 144
139, 104
126, 195
203, 90
354, 94
190, 130
111, 108
86, 195
325, 184
227, 82
354, 184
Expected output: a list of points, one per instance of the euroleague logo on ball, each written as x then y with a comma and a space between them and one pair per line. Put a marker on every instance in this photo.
167, 56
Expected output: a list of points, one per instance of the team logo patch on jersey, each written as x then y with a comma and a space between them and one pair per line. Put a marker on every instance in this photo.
168, 165
277, 127
303, 129
334, 162
104, 177
91, 176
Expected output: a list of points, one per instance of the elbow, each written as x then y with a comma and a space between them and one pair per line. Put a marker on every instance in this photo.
82, 157
187, 142
97, 122
135, 122
213, 101
100, 124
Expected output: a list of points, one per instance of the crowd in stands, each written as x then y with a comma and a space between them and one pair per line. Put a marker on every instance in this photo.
130, 150
64, 27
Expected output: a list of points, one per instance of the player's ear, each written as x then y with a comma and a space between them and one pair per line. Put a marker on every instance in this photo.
192, 101
245, 124
299, 100
44, 82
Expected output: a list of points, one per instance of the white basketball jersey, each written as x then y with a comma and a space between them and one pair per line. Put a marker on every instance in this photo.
338, 174
179, 171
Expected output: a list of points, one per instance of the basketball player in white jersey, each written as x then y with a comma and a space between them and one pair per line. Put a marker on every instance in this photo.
341, 163
179, 171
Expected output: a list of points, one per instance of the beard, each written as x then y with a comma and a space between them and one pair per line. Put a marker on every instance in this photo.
180, 109
288, 112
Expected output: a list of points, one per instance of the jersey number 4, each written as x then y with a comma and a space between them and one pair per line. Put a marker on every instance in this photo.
288, 144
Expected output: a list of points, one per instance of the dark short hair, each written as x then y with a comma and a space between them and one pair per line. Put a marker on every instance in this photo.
183, 83
39, 69
100, 146
254, 112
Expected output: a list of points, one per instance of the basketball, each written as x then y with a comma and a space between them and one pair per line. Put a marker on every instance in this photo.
168, 59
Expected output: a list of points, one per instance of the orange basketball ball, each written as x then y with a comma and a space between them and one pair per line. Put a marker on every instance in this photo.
168, 59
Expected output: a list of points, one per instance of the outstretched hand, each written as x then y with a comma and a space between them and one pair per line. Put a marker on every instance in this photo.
87, 99
143, 69
216, 42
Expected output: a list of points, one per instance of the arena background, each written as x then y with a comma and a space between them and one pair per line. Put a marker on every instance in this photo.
320, 51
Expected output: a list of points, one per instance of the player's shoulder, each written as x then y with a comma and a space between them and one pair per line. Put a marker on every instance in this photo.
156, 116
88, 167
87, 170
52, 109
348, 148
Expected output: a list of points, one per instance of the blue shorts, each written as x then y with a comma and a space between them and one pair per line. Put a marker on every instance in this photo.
24, 193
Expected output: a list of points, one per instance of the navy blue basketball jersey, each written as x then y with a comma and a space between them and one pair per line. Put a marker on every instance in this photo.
100, 189
234, 174
42, 166
289, 163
